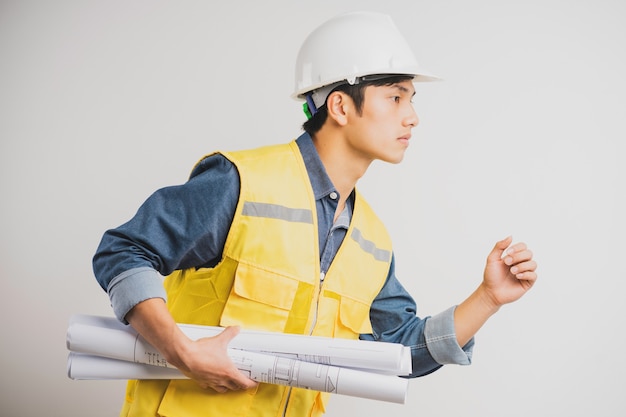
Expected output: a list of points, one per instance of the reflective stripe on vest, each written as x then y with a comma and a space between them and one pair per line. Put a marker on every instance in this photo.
369, 246
274, 211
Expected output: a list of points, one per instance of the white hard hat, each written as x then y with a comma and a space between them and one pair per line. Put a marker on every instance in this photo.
350, 46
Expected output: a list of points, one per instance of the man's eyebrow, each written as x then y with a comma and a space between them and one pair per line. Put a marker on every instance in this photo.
403, 89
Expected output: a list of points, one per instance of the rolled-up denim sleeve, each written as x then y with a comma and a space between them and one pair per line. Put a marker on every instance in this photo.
432, 340
132, 287
441, 340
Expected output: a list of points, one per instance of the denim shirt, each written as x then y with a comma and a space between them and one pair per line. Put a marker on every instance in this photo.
185, 226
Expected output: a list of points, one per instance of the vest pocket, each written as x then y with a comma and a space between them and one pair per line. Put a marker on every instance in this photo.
259, 300
353, 318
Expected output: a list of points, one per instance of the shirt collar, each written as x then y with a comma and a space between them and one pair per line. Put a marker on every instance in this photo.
320, 182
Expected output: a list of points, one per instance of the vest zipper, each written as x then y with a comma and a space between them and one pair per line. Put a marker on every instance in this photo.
317, 302
287, 401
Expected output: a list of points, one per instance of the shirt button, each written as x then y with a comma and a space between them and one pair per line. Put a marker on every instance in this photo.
333, 195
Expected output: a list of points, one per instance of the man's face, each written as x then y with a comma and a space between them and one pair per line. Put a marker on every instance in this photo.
383, 129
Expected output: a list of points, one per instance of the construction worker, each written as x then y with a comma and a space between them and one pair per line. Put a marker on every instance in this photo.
279, 239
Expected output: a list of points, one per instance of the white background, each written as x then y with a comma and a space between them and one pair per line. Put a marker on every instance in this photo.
102, 102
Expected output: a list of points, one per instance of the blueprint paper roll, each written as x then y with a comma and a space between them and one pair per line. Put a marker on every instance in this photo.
306, 375
104, 348
101, 341
374, 386
106, 336
89, 367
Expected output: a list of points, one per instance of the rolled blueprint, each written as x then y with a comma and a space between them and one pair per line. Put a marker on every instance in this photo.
103, 348
106, 336
259, 367
89, 367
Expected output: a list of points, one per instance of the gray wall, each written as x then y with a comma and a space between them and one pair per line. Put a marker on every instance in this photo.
102, 102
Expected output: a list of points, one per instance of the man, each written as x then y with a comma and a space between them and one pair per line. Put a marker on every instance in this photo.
279, 239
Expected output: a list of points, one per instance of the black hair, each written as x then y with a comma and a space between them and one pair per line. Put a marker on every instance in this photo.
356, 92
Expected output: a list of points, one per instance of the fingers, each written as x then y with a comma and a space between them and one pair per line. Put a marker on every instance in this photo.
498, 249
211, 367
231, 385
520, 259
228, 384
241, 382
517, 254
525, 270
238, 380
234, 379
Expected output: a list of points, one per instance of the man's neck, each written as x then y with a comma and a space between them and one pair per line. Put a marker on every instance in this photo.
343, 168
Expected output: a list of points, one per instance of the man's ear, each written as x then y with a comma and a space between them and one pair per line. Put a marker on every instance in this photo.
337, 105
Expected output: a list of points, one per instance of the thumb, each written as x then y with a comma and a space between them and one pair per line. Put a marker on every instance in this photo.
228, 334
498, 249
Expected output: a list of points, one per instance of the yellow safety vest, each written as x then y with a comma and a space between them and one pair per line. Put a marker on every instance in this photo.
269, 279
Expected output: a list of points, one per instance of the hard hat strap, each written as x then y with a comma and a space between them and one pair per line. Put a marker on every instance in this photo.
309, 107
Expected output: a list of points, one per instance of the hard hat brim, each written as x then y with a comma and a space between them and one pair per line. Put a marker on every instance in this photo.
422, 76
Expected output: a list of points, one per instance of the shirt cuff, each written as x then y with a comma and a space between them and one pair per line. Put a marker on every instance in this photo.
441, 340
132, 287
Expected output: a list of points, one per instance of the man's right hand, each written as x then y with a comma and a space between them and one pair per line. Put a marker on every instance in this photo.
205, 360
